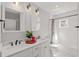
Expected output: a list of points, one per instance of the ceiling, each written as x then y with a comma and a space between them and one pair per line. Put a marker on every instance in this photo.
57, 7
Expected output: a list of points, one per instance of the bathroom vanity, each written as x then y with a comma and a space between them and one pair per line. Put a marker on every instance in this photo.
38, 49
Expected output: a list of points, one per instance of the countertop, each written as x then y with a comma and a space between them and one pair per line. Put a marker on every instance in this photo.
9, 50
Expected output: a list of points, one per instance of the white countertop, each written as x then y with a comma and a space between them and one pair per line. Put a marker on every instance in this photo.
9, 50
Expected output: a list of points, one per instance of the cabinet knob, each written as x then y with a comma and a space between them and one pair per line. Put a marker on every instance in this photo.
36, 48
37, 55
4, 25
45, 46
76, 26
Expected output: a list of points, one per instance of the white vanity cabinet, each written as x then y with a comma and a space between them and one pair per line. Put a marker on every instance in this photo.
24, 53
45, 49
39, 50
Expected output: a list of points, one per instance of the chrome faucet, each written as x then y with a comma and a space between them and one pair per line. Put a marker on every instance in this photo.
16, 42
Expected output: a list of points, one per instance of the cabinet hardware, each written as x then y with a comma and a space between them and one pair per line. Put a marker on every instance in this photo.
76, 26
3, 24
45, 46
1, 20
36, 48
37, 55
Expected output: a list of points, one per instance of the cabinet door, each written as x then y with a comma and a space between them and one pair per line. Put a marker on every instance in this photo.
45, 49
24, 53
0, 36
0, 31
36, 51
0, 22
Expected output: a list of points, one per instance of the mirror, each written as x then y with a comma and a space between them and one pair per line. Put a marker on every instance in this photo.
35, 23
12, 20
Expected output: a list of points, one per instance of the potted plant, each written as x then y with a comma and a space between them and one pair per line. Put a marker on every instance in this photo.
29, 35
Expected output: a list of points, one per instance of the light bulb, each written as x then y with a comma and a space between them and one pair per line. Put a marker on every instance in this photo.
37, 11
29, 6
57, 6
16, 3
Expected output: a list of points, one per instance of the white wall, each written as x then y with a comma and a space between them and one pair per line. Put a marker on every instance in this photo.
12, 37
25, 23
63, 8
44, 22
44, 29
69, 7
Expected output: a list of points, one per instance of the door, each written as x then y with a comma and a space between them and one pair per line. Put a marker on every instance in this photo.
66, 37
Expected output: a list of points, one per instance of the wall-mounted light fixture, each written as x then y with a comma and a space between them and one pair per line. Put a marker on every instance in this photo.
15, 3
29, 6
37, 11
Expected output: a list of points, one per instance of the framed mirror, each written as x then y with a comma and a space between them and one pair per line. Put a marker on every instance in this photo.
12, 20
35, 23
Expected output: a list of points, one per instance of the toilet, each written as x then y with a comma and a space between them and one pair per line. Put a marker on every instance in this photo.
53, 50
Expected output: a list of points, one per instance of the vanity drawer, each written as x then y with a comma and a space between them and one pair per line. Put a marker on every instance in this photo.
24, 53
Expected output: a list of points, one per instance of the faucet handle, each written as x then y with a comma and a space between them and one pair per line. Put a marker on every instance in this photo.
11, 43
20, 41
16, 42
